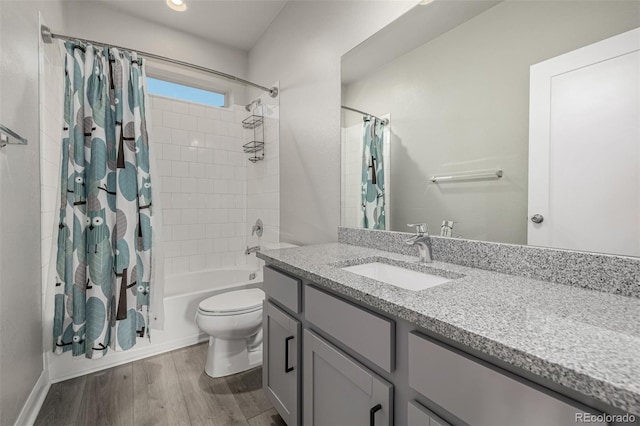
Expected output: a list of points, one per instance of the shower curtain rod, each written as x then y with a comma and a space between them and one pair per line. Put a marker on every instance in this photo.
385, 121
48, 36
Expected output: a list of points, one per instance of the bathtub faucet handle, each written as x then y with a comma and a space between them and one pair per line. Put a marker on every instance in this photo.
257, 228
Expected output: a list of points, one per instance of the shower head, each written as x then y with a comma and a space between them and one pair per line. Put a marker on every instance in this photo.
250, 106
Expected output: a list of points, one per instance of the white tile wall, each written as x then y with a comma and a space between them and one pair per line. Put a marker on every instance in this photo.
263, 177
51, 85
203, 186
351, 175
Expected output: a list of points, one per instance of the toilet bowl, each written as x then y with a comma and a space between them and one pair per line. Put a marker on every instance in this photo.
233, 321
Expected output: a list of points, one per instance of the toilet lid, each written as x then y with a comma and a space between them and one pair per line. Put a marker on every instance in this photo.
233, 301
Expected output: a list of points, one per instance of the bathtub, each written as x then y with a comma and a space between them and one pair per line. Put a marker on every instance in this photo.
184, 292
210, 282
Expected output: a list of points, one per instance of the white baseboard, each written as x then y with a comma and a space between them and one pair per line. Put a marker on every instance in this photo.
64, 367
31, 407
67, 368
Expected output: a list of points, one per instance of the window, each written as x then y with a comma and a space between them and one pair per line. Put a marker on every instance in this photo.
185, 93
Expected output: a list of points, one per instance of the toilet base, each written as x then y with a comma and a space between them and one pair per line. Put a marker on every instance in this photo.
226, 357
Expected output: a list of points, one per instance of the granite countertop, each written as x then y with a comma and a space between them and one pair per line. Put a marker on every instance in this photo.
585, 340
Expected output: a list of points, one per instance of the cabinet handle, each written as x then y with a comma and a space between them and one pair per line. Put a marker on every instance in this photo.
372, 414
286, 354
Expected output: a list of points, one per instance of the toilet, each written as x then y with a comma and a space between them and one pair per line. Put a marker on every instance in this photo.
233, 321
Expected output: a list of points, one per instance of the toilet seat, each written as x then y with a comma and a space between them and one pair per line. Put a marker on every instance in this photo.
232, 303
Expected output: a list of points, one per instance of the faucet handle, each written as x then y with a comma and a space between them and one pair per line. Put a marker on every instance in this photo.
257, 228
421, 228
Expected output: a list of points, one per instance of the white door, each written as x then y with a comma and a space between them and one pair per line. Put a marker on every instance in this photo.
584, 148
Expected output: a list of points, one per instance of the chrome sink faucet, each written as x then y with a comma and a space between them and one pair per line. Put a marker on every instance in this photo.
422, 241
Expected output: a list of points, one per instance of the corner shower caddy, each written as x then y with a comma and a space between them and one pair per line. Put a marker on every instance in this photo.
255, 145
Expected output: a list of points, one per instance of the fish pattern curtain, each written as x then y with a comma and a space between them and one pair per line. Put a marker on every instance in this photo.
373, 196
103, 263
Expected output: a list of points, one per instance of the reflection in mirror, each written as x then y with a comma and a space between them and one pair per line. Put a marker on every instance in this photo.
456, 79
366, 162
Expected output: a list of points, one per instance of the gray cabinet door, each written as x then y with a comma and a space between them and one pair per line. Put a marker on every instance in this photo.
280, 373
339, 391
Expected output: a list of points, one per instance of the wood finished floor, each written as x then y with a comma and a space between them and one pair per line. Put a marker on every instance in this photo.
168, 389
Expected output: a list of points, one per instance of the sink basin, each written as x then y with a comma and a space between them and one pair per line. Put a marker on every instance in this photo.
397, 276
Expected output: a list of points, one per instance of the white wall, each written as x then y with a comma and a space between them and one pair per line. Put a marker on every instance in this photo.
351, 178
302, 49
461, 102
93, 21
21, 361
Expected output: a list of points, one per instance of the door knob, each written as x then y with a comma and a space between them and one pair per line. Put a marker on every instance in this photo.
537, 218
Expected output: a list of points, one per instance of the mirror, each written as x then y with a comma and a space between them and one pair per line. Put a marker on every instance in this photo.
466, 104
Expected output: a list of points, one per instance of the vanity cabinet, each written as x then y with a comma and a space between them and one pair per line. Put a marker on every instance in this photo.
281, 372
331, 361
481, 394
340, 391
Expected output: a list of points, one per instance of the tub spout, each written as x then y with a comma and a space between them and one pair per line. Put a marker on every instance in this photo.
250, 250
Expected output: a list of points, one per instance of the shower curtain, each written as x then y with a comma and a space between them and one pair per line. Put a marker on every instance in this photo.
373, 180
103, 265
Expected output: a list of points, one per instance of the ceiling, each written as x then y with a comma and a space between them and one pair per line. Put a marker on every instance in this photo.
411, 30
234, 23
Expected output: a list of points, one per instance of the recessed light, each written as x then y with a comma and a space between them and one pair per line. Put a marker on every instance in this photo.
177, 5
425, 2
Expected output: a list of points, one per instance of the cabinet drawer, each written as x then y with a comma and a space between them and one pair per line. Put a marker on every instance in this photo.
417, 415
283, 288
367, 333
478, 394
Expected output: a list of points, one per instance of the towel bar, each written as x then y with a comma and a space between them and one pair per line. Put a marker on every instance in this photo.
491, 174
8, 136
